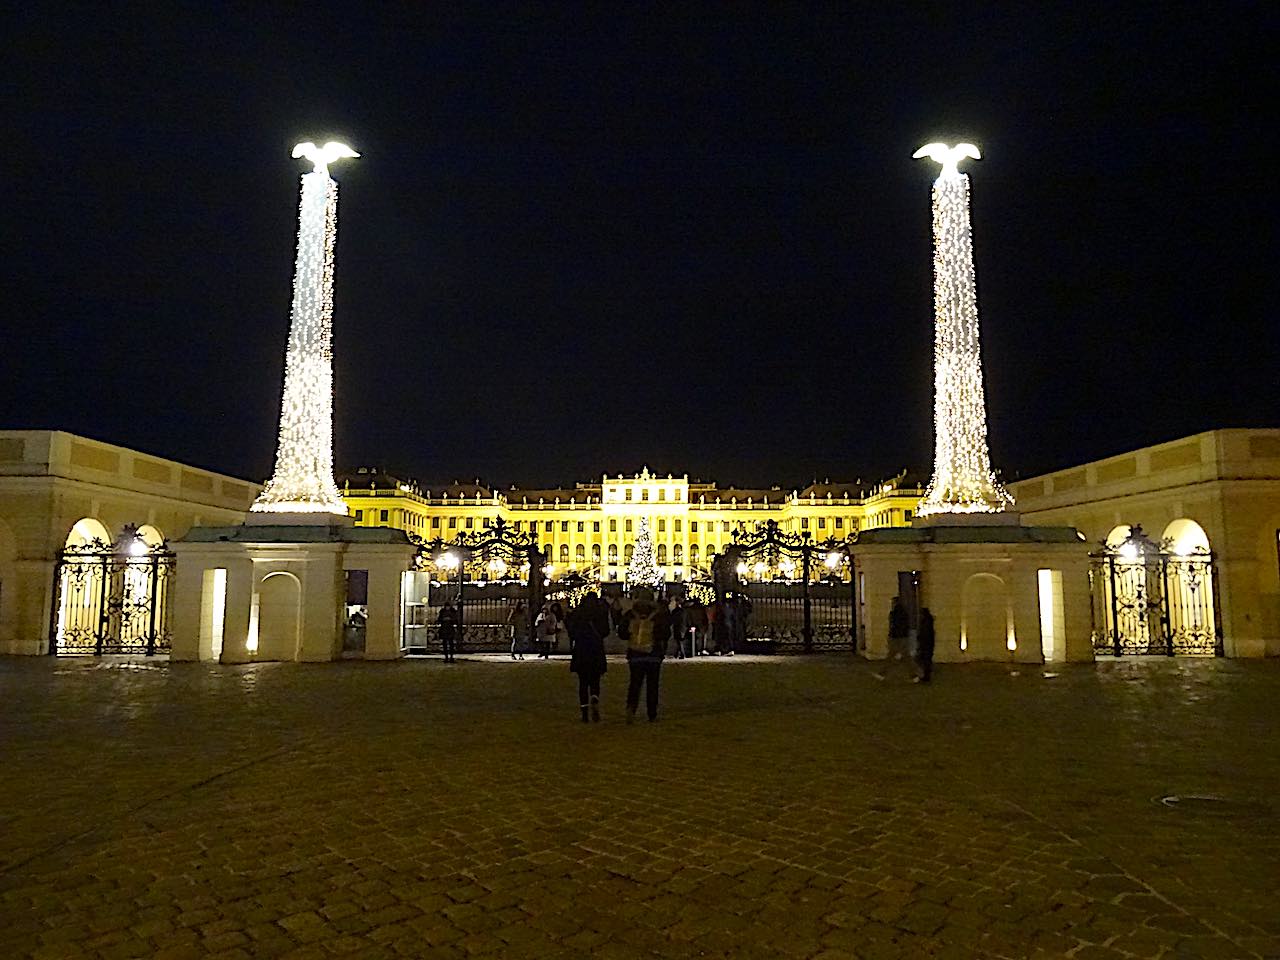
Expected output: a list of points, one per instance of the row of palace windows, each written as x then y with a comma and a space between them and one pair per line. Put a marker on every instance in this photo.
548, 526
644, 494
580, 553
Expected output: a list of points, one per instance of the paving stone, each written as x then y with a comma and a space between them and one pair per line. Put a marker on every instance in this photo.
792, 807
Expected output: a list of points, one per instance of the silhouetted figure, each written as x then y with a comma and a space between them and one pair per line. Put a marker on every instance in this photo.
518, 624
588, 626
924, 646
644, 627
899, 631
448, 621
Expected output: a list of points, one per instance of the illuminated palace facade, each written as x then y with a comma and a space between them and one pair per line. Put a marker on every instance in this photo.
591, 528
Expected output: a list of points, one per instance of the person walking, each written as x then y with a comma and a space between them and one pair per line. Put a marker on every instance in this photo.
546, 627
448, 622
644, 628
675, 617
518, 629
924, 647
696, 617
588, 626
899, 635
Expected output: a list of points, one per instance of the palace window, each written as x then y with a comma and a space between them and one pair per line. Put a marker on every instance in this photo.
906, 514
631, 548
693, 553
580, 553
693, 526
628, 526
662, 526
359, 515
564, 526
564, 553
595, 553
548, 551
677, 553
471, 522
662, 553
644, 494
679, 495
679, 524
581, 526
516, 525
547, 527
662, 494
613, 526
453, 521
839, 523
595, 526
435, 523
804, 523
628, 493
822, 523
726, 526
613, 553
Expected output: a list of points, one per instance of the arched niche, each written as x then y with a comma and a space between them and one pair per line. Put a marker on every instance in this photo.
276, 619
986, 618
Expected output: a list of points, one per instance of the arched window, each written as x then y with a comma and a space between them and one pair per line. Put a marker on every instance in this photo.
580, 553
662, 553
595, 553
564, 553
693, 553
631, 548
677, 553
613, 553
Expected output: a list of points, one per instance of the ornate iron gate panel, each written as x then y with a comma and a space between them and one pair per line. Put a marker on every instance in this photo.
112, 599
1150, 600
799, 595
491, 571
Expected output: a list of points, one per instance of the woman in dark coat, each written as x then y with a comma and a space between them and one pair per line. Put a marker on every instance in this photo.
588, 626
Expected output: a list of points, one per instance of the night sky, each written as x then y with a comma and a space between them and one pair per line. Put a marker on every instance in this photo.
687, 236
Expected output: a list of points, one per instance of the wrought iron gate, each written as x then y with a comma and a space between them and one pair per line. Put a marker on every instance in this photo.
1151, 600
486, 575
112, 598
792, 594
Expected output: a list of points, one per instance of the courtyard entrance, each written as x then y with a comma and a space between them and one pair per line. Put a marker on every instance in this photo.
496, 577
1153, 598
112, 598
794, 594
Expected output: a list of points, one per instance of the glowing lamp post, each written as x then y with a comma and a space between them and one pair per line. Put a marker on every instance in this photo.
962, 480
303, 478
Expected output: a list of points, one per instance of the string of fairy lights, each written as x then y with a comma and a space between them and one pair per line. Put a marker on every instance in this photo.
962, 481
303, 479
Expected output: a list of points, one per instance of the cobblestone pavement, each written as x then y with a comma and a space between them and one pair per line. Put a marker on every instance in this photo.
781, 808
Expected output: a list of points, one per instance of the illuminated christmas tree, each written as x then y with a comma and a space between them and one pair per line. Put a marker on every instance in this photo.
303, 479
643, 570
962, 478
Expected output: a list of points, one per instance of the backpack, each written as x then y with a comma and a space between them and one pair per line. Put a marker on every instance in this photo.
641, 635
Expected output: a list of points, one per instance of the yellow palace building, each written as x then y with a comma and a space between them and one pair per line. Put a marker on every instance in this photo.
590, 528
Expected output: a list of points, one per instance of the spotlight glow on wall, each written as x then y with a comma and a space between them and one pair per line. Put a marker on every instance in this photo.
962, 479
303, 479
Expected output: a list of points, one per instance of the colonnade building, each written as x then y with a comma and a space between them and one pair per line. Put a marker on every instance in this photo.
590, 528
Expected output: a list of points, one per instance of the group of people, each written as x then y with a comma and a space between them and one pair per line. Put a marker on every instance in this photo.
900, 639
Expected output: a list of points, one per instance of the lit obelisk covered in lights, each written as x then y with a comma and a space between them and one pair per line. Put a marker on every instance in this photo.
962, 479
303, 480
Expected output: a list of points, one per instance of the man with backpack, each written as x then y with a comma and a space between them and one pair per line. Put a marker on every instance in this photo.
645, 628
